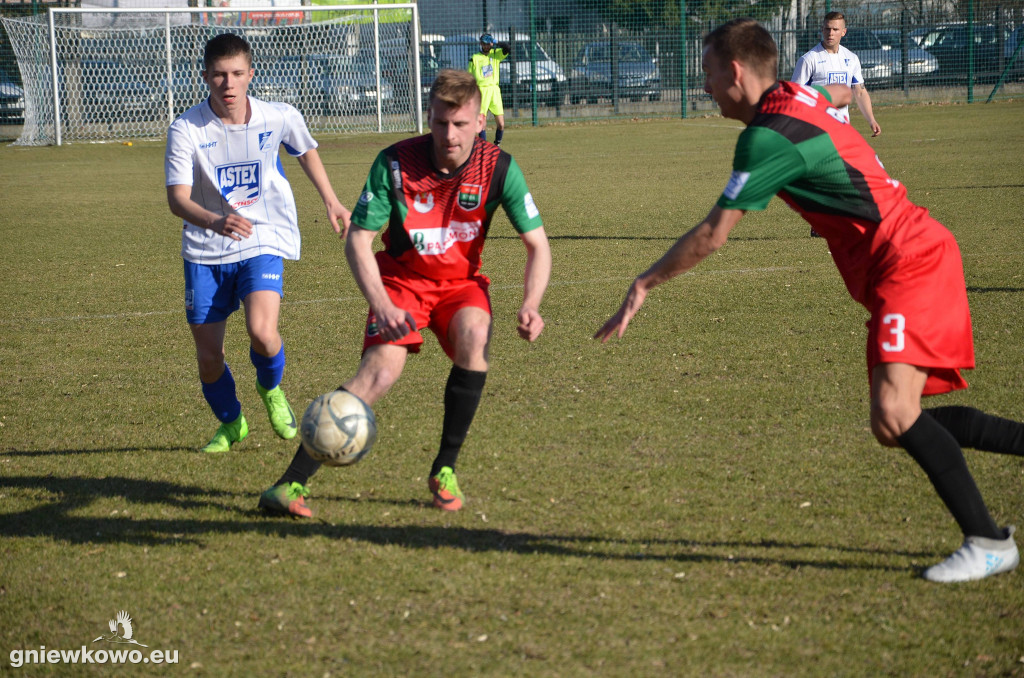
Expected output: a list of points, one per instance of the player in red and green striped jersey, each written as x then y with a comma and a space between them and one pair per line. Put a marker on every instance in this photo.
433, 196
896, 260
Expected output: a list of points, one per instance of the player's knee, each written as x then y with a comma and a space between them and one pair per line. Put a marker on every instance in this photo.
371, 385
888, 422
265, 340
473, 338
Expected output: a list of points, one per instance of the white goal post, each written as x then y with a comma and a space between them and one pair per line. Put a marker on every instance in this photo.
112, 74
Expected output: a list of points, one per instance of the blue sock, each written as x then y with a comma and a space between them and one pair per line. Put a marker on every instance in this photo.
221, 397
268, 370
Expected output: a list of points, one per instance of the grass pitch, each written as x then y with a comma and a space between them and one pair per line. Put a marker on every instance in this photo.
701, 498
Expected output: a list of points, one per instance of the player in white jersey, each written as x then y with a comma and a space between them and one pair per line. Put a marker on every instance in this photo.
829, 63
226, 181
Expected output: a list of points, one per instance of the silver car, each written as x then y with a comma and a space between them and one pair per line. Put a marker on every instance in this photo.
880, 62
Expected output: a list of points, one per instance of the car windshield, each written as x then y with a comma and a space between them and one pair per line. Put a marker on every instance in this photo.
318, 65
520, 52
628, 51
860, 41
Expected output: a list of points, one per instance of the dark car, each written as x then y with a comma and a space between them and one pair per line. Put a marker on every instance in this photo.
12, 101
948, 43
591, 74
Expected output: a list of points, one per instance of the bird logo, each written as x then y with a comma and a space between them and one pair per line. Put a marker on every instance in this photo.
124, 621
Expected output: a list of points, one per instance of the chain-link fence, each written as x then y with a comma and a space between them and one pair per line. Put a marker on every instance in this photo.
580, 59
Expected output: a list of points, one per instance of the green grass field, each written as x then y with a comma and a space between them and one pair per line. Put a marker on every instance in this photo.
702, 498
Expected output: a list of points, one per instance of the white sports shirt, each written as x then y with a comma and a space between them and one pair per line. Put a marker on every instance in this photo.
237, 167
821, 67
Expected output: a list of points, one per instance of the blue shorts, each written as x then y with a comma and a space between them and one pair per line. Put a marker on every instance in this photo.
213, 292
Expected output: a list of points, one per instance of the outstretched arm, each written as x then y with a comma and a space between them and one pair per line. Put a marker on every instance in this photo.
860, 92
536, 277
692, 248
337, 213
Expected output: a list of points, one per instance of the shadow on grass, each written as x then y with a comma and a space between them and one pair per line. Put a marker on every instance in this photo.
97, 450
53, 518
983, 290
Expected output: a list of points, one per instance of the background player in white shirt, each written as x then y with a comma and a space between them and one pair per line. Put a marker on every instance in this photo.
226, 181
829, 63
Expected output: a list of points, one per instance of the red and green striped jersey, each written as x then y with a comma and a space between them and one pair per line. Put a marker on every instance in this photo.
799, 148
437, 223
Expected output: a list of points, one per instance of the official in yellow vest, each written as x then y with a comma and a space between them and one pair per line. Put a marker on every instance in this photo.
484, 67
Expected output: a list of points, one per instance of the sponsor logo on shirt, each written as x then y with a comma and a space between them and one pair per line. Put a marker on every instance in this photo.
469, 196
365, 198
837, 78
265, 140
531, 209
736, 183
239, 183
423, 202
437, 241
271, 276
208, 144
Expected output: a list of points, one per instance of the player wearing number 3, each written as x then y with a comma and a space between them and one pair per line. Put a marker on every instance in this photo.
897, 261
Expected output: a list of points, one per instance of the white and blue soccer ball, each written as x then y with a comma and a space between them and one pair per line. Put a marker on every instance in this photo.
338, 429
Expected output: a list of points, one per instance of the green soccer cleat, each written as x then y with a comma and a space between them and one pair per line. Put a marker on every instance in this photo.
232, 432
445, 489
286, 499
282, 418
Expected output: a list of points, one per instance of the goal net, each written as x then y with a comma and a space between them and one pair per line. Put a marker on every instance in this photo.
118, 74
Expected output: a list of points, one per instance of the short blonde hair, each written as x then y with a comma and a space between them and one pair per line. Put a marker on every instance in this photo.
454, 88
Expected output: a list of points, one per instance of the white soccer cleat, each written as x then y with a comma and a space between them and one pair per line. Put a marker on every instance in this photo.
979, 557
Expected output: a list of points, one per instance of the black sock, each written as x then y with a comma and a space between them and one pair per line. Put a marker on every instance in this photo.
973, 428
937, 452
461, 398
498, 137
301, 469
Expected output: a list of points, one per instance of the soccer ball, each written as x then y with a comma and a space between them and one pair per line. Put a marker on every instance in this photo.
338, 429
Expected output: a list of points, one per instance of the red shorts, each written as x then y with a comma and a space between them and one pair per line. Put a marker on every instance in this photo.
432, 303
920, 316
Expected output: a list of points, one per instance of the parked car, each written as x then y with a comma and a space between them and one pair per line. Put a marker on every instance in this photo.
323, 83
398, 68
591, 74
1012, 42
456, 50
107, 90
12, 101
948, 43
882, 63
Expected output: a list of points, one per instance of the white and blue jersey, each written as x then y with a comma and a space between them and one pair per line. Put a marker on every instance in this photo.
237, 168
821, 67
